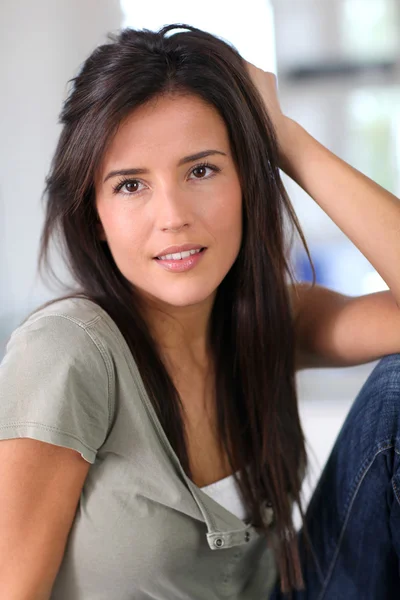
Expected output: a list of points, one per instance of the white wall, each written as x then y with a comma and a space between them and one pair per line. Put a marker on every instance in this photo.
42, 44
250, 30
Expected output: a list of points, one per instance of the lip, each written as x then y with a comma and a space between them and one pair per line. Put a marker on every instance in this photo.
183, 265
183, 248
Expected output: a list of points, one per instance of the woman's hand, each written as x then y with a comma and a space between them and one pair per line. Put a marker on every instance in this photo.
267, 86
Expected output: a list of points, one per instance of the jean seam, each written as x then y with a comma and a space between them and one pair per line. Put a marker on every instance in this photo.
381, 447
346, 520
395, 488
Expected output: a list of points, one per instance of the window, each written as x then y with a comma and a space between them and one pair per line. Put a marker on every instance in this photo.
374, 116
370, 29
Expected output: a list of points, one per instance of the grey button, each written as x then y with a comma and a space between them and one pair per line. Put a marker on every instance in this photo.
247, 536
218, 542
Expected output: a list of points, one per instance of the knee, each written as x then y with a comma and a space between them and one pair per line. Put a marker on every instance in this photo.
378, 401
386, 375
375, 413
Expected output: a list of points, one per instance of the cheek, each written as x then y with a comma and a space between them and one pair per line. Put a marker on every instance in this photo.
224, 197
226, 216
124, 233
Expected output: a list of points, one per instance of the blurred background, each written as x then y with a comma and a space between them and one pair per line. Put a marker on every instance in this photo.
339, 75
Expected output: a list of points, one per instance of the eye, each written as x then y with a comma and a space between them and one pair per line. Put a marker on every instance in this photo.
200, 171
127, 187
130, 187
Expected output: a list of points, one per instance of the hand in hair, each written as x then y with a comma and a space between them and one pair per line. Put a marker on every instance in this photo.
267, 86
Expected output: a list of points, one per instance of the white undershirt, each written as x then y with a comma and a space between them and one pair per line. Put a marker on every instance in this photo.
227, 493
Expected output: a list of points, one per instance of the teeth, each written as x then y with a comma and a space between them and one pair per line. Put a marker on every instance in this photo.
179, 255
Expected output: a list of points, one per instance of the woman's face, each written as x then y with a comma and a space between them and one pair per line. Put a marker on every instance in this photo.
155, 196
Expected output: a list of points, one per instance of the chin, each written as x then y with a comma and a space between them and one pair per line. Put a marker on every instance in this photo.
188, 300
183, 297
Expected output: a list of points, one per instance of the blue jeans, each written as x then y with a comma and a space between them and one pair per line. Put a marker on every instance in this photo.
354, 516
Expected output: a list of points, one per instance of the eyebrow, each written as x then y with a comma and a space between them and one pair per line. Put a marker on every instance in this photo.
183, 161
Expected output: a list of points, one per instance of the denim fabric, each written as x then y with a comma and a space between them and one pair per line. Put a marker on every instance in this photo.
354, 516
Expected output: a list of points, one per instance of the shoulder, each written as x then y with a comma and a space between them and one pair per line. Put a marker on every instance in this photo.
81, 311
75, 317
67, 330
57, 378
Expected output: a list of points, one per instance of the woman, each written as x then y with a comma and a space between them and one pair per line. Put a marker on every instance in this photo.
171, 366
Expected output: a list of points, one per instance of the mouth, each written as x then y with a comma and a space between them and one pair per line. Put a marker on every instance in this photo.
181, 262
176, 256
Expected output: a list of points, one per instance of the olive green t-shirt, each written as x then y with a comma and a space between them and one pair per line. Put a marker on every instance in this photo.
143, 530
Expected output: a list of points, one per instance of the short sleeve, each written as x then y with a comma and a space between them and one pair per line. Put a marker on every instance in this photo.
54, 386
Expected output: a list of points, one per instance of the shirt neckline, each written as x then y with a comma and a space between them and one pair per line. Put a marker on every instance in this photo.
221, 523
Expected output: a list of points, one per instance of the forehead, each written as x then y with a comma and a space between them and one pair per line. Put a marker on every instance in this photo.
167, 128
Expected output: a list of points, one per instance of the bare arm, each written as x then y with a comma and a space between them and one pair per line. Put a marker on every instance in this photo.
40, 486
334, 330
367, 213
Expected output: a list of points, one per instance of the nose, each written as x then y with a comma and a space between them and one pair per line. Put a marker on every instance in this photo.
172, 209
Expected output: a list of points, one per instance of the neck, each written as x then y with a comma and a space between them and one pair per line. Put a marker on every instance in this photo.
181, 333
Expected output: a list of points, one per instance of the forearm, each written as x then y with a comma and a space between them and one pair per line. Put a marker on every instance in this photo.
364, 211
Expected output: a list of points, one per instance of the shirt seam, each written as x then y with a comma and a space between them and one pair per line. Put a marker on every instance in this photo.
100, 347
12, 424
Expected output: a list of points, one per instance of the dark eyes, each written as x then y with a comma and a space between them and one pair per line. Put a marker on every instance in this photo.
132, 186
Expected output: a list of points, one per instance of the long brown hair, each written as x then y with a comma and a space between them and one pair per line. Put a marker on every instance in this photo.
252, 336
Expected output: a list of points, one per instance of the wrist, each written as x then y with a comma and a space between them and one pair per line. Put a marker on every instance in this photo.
289, 137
